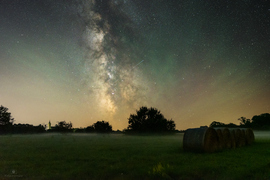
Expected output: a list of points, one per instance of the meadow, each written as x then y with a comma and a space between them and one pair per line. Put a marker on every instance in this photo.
119, 156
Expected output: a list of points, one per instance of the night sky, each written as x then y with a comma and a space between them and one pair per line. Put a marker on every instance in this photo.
83, 61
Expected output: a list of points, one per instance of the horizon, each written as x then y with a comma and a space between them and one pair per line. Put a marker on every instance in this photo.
53, 125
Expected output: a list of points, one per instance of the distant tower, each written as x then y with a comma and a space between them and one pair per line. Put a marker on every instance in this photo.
50, 125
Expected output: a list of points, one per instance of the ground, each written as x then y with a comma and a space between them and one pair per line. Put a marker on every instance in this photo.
118, 156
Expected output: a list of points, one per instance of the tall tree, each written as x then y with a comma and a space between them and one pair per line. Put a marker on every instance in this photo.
5, 116
6, 120
245, 122
149, 120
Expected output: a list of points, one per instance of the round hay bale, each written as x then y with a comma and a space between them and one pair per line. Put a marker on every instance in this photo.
220, 138
237, 133
249, 136
227, 142
227, 138
239, 139
232, 134
201, 140
244, 137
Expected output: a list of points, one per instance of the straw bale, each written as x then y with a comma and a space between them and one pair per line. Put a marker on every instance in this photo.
226, 135
244, 137
239, 138
220, 138
232, 133
249, 136
227, 138
201, 140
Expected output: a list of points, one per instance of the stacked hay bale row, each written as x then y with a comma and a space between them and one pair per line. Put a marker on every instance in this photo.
210, 139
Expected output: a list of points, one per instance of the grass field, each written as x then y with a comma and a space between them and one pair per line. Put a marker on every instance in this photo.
117, 156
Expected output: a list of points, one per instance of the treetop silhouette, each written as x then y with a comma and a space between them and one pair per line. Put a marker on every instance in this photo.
5, 117
149, 120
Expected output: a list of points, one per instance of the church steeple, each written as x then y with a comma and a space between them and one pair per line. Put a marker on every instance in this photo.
50, 125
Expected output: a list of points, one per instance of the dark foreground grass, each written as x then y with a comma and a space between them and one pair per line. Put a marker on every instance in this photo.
116, 156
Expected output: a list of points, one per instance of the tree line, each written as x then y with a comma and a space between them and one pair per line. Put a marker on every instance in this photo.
145, 120
7, 124
260, 122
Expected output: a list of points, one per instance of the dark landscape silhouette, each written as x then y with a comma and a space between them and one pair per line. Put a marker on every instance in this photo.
146, 120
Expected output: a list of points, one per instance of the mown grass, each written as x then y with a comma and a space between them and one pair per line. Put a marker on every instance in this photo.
117, 156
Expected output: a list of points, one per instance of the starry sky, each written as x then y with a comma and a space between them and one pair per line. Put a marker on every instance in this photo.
84, 61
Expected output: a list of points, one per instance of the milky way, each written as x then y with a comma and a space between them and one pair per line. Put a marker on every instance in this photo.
85, 60
111, 76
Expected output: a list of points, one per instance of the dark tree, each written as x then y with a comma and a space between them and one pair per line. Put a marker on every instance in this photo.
102, 126
27, 128
40, 128
149, 120
79, 130
261, 121
220, 124
245, 122
90, 129
170, 125
231, 125
6, 120
63, 126
5, 117
217, 124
